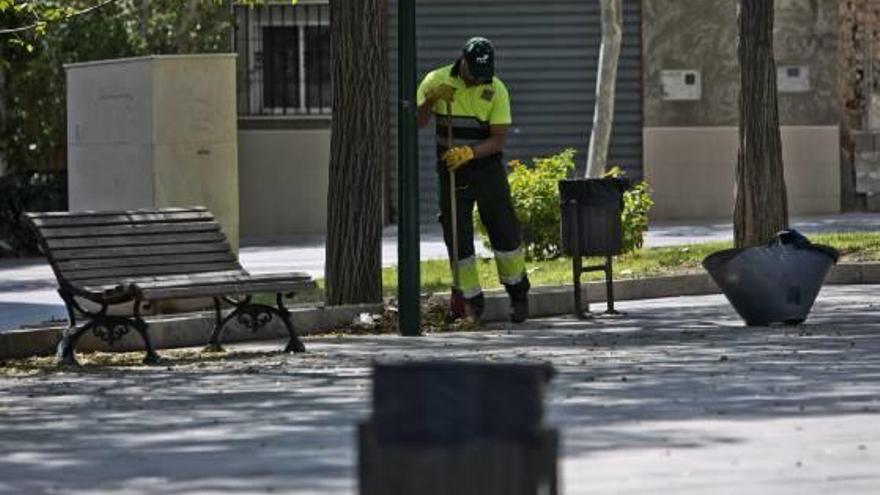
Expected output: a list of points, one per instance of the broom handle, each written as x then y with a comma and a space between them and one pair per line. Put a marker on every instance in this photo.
453, 200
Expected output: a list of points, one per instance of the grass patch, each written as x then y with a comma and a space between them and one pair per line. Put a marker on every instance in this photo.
436, 276
643, 263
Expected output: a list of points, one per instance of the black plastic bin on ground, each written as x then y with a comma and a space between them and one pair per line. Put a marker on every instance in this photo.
591, 226
776, 283
441, 428
441, 402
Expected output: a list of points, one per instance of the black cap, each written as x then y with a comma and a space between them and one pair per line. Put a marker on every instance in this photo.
480, 56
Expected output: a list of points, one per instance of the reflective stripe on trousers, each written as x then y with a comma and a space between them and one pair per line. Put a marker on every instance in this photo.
469, 277
511, 266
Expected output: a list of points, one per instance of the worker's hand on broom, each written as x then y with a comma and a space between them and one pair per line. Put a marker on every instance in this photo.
458, 156
443, 92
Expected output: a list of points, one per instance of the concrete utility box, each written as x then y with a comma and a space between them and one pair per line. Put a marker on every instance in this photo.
154, 131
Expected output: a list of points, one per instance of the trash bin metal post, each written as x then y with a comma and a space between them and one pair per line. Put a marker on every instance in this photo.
609, 286
577, 263
609, 272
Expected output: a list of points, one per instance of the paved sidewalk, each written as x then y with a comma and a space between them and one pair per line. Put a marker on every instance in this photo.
676, 233
27, 287
677, 397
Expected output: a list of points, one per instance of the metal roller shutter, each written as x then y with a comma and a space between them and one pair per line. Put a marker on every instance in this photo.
547, 55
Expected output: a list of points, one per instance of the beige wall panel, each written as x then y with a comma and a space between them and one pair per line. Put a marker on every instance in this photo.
283, 181
691, 170
209, 178
204, 89
110, 102
110, 176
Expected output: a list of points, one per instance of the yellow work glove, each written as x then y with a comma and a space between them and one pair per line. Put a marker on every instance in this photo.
456, 157
441, 92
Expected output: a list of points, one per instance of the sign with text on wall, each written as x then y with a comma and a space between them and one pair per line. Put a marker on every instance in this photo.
793, 78
681, 85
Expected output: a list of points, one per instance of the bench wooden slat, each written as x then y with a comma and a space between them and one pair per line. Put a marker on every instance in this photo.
119, 273
109, 213
214, 278
175, 259
141, 218
131, 229
174, 279
59, 255
231, 289
135, 240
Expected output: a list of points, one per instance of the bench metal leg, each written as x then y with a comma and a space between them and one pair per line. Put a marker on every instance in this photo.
294, 344
64, 352
109, 328
140, 327
219, 322
66, 349
151, 357
253, 317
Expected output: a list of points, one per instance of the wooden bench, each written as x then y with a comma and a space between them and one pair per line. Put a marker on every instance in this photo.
129, 258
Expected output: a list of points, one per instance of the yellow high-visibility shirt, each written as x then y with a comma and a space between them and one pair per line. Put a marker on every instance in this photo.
488, 103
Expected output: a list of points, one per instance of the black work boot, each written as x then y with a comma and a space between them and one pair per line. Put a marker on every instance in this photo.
519, 300
462, 307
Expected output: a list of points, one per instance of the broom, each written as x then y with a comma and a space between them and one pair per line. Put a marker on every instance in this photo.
458, 304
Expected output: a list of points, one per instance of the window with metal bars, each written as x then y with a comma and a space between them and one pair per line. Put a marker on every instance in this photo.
283, 59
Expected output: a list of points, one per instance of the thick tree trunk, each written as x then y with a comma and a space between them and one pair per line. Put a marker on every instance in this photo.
761, 206
2, 107
359, 151
603, 117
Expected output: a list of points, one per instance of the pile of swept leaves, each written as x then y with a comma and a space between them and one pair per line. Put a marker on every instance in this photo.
103, 362
433, 320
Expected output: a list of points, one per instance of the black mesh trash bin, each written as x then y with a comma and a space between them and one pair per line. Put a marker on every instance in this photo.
591, 216
591, 226
776, 283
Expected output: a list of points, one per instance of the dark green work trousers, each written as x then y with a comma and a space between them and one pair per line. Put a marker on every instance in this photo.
482, 183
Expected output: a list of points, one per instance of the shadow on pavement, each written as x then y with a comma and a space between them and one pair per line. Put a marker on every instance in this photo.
265, 421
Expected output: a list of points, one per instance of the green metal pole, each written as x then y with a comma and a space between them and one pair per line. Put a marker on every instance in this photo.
408, 283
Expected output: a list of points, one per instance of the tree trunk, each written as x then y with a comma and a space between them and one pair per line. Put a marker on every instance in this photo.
603, 117
359, 151
761, 207
2, 106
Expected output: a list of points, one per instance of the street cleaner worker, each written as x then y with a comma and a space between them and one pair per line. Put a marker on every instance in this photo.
480, 118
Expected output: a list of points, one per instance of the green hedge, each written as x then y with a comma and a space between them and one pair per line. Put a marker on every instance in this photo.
535, 192
27, 191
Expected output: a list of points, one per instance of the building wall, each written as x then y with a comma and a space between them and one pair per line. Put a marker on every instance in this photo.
692, 170
283, 178
806, 34
690, 146
547, 54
